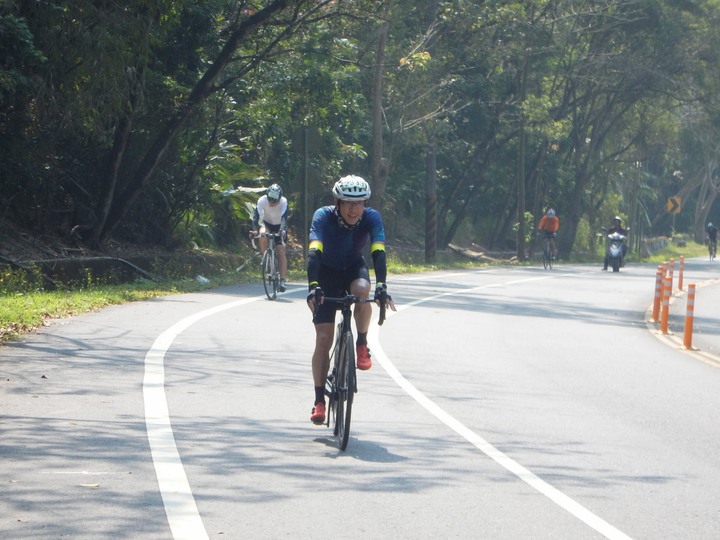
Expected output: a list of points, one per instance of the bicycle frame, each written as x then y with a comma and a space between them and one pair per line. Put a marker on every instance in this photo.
341, 384
547, 252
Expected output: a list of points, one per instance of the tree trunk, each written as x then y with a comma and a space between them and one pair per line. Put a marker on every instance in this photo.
205, 86
379, 164
112, 171
430, 205
522, 138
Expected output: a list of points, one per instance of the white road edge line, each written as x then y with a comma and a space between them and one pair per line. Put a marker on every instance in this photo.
180, 507
554, 494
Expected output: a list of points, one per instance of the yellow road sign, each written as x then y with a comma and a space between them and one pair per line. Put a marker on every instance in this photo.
673, 205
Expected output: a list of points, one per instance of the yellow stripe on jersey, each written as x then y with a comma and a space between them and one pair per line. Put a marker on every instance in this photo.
377, 246
316, 244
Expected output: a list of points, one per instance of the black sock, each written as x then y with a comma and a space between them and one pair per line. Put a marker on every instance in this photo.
319, 394
361, 339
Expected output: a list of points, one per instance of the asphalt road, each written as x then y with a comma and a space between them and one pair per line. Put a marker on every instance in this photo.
503, 403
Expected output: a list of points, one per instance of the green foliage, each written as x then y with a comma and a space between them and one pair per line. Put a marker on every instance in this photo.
17, 281
612, 107
21, 60
529, 227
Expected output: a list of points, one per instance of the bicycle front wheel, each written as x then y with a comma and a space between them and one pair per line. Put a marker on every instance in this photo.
268, 274
345, 386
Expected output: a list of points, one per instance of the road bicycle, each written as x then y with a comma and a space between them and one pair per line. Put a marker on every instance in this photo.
547, 253
269, 265
341, 384
712, 247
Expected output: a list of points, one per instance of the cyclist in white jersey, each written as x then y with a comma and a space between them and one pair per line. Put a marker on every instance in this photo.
270, 215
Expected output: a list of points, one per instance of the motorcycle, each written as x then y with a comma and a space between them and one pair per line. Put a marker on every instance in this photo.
614, 252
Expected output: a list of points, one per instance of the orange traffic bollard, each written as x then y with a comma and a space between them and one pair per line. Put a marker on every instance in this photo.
680, 274
658, 294
667, 286
689, 315
671, 270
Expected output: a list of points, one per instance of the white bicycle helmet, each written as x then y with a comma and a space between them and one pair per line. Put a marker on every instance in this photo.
274, 192
551, 213
351, 188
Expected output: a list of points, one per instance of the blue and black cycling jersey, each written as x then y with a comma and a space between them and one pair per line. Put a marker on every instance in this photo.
342, 248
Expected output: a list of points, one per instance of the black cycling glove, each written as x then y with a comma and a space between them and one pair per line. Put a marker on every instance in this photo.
316, 294
381, 293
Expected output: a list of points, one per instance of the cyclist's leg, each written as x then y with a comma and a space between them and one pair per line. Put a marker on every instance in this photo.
360, 287
362, 313
282, 259
262, 241
324, 322
321, 355
320, 367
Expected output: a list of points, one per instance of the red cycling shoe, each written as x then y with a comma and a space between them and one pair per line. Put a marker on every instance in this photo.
318, 413
363, 357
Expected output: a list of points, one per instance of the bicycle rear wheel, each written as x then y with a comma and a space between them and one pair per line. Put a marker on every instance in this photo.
268, 274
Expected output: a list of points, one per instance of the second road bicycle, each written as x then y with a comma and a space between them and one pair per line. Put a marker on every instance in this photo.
269, 265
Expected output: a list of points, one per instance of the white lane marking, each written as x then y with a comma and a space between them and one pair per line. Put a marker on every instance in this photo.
180, 507
88, 473
554, 494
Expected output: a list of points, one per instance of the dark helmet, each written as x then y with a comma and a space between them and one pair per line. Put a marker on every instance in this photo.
274, 193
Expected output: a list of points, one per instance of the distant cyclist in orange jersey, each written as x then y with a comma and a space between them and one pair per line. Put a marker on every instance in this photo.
548, 228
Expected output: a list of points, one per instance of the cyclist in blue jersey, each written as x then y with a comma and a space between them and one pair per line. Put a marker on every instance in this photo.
335, 267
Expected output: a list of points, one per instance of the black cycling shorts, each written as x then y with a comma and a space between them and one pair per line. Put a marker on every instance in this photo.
269, 227
336, 283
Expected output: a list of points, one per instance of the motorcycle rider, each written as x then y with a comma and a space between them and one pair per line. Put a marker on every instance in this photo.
616, 228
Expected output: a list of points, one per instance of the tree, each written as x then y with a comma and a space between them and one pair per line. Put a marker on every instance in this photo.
250, 22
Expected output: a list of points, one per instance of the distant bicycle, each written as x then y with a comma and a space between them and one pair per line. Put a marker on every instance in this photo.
341, 383
269, 265
712, 248
547, 253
